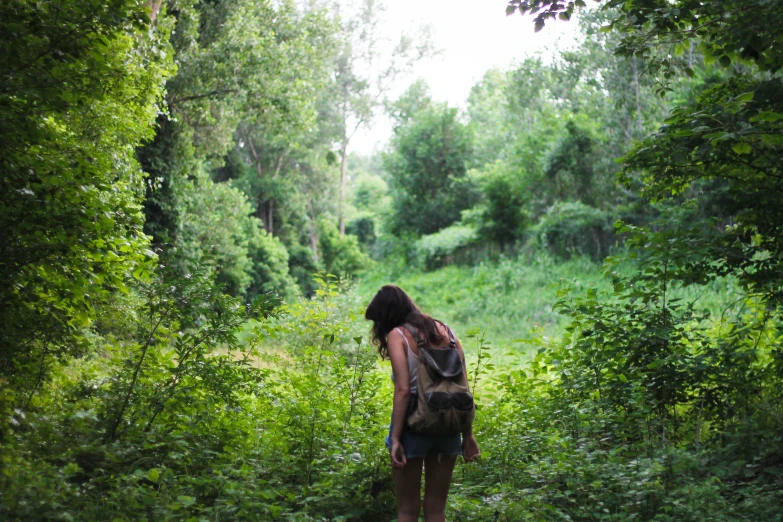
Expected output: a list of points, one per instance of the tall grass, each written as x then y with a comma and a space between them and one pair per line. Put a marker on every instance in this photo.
507, 300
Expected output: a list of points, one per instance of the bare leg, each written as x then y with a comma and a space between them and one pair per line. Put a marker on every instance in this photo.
437, 479
407, 489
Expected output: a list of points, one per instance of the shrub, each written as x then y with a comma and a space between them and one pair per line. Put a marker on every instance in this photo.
270, 272
440, 248
339, 255
364, 230
573, 228
302, 266
503, 217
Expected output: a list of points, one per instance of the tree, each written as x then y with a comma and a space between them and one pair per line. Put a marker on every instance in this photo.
723, 31
243, 64
427, 169
363, 75
80, 86
504, 214
727, 131
570, 167
269, 140
645, 354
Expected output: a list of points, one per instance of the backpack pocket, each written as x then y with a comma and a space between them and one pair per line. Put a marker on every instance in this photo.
442, 413
439, 400
413, 401
462, 401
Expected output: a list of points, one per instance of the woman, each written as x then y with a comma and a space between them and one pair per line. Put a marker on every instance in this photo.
392, 312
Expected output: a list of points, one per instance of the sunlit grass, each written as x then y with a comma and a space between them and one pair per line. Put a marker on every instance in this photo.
511, 300
507, 300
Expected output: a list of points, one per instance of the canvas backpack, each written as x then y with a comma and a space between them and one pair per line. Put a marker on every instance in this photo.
443, 403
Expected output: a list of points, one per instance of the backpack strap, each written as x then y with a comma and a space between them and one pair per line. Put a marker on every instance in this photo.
415, 333
452, 340
405, 338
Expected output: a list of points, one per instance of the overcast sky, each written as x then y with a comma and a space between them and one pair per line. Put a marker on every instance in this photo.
473, 36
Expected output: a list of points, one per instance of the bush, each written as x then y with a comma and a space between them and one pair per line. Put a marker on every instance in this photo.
302, 266
287, 421
572, 228
441, 248
503, 217
340, 256
186, 422
427, 167
364, 230
270, 271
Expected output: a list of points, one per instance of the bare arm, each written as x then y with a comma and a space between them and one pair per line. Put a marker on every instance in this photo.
402, 391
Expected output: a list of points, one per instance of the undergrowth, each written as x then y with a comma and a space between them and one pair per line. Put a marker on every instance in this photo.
214, 411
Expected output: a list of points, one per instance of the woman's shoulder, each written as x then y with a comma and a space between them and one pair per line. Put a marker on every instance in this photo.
400, 333
395, 334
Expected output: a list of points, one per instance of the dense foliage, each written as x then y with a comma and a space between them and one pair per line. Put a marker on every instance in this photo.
80, 87
176, 182
428, 171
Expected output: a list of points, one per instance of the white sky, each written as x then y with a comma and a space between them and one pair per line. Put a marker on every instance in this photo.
473, 36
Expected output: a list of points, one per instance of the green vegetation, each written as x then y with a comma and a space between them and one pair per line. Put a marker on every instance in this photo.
508, 300
177, 187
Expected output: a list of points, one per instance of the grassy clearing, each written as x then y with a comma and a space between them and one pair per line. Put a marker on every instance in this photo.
510, 301
507, 300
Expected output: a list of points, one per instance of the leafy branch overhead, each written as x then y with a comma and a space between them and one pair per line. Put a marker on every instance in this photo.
660, 32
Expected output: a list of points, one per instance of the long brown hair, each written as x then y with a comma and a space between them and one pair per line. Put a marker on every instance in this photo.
391, 307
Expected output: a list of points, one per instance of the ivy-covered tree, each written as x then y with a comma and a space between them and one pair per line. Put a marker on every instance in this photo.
80, 86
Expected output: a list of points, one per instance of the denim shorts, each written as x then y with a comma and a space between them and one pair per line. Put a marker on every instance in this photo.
417, 445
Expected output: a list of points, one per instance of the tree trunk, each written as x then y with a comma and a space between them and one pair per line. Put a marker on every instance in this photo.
342, 186
270, 217
154, 6
313, 226
265, 216
640, 121
270, 207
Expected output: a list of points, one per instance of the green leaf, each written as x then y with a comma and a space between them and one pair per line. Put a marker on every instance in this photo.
766, 116
679, 49
71, 468
186, 501
741, 147
772, 139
